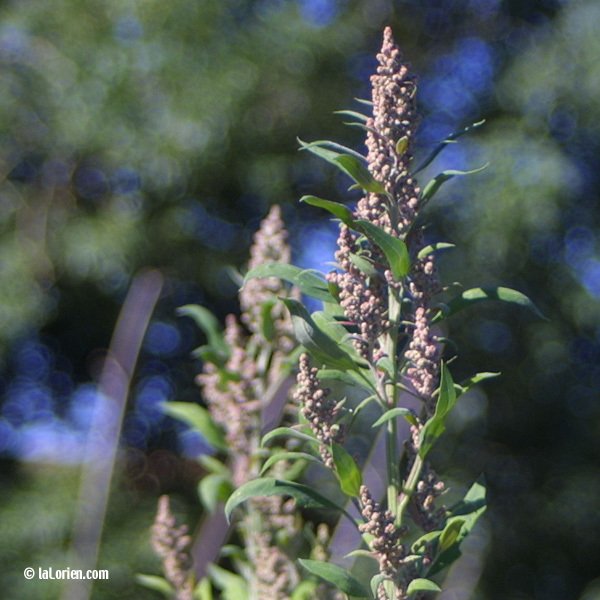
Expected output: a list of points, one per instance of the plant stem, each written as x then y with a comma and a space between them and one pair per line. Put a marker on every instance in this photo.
390, 347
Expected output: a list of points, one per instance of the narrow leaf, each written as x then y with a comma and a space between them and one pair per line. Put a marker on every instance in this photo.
286, 432
335, 575
434, 428
394, 413
307, 281
449, 140
436, 183
350, 164
232, 586
213, 489
427, 250
155, 583
450, 533
268, 486
394, 248
289, 456
352, 113
475, 295
347, 471
341, 211
363, 265
208, 323
324, 349
422, 585
199, 419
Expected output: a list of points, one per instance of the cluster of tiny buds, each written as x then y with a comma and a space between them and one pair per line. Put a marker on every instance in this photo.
362, 298
171, 543
270, 246
386, 536
319, 410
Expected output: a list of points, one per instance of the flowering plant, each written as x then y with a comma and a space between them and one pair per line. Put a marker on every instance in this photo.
371, 359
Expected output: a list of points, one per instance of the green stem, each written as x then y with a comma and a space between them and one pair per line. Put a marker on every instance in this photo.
409, 488
390, 347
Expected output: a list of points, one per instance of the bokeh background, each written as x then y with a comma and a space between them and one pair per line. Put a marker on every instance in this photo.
150, 134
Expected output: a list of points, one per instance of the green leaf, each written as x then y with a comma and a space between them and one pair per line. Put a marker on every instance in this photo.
394, 248
203, 590
408, 414
434, 428
305, 590
422, 585
209, 325
212, 464
335, 147
269, 486
335, 575
324, 349
450, 533
347, 471
352, 113
199, 419
279, 456
467, 384
467, 511
364, 265
376, 581
232, 586
427, 250
305, 280
436, 183
341, 211
213, 489
349, 164
475, 295
287, 432
449, 140
156, 584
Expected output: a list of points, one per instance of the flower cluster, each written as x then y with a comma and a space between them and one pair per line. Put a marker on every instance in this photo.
386, 543
171, 543
320, 411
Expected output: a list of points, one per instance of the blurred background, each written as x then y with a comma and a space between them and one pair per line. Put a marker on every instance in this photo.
147, 134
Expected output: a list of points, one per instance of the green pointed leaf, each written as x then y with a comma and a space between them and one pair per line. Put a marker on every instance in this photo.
341, 211
212, 464
352, 113
394, 248
199, 419
232, 586
347, 471
213, 489
269, 486
450, 533
436, 183
209, 325
305, 590
475, 295
324, 349
203, 590
287, 432
364, 265
427, 250
335, 575
422, 585
307, 281
434, 428
449, 140
288, 456
467, 511
156, 584
350, 164
338, 149
376, 581
408, 414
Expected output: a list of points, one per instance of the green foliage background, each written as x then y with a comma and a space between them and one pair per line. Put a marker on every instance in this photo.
158, 133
